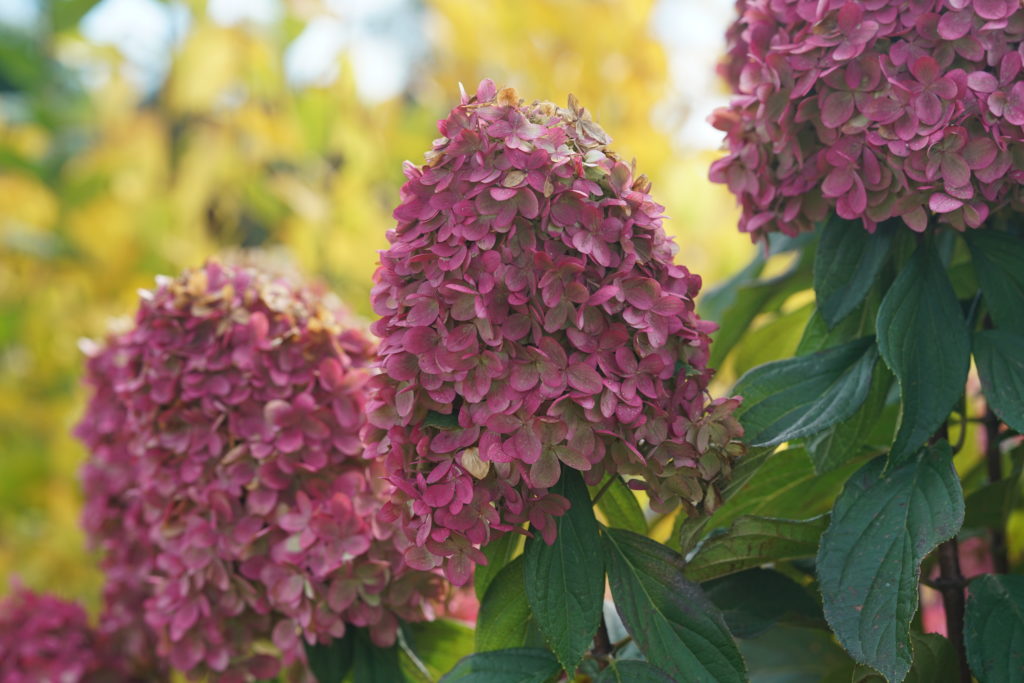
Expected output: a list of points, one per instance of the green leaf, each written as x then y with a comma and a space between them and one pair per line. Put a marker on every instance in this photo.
994, 628
753, 600
331, 662
990, 505
619, 506
374, 664
796, 397
439, 644
841, 442
671, 620
753, 541
924, 340
499, 553
776, 338
1000, 359
517, 665
504, 616
934, 662
997, 264
784, 485
632, 671
846, 264
792, 654
441, 420
735, 304
870, 556
565, 581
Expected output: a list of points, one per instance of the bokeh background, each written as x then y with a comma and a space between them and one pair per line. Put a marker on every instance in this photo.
139, 137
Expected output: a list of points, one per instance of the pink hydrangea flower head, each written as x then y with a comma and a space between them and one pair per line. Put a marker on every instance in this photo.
533, 318
882, 110
228, 489
44, 638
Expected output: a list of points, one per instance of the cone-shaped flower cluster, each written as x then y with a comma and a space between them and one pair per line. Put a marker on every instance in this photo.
227, 486
878, 110
533, 319
43, 638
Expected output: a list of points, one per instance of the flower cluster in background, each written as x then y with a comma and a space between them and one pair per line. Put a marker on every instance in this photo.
533, 318
228, 489
878, 110
44, 638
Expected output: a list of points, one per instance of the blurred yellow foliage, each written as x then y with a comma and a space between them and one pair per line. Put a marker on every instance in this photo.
112, 187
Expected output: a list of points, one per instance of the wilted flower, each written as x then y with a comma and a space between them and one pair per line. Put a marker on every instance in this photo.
44, 638
533, 319
877, 110
228, 489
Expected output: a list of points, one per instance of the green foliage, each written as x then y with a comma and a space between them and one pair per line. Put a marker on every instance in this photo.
565, 581
438, 644
499, 553
753, 541
997, 264
797, 397
846, 265
841, 442
994, 628
1000, 359
516, 665
670, 618
632, 671
332, 661
883, 524
924, 340
753, 600
934, 662
504, 617
619, 505
794, 654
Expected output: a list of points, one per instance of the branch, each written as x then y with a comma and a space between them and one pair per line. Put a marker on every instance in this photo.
994, 464
951, 585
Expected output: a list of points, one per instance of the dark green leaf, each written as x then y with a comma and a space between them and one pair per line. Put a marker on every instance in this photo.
1000, 359
504, 615
994, 628
869, 560
793, 654
439, 644
784, 485
441, 420
619, 506
518, 665
924, 340
990, 505
565, 581
997, 264
669, 617
753, 541
791, 398
753, 600
632, 671
374, 664
934, 662
846, 264
499, 553
841, 442
330, 662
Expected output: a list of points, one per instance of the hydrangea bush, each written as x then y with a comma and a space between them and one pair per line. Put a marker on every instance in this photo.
876, 110
533, 318
44, 638
228, 489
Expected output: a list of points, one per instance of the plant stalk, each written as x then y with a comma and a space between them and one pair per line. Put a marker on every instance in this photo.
951, 586
994, 464
602, 644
